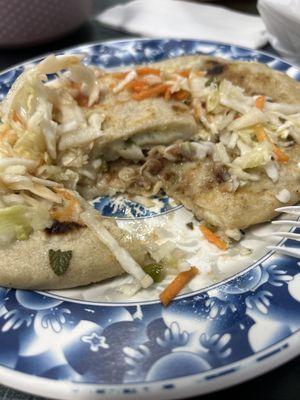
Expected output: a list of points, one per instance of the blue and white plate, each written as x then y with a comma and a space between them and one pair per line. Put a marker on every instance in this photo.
84, 343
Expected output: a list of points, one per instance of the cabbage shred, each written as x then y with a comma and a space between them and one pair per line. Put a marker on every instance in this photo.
50, 128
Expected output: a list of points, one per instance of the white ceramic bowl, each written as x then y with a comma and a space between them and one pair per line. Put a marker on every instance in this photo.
30, 22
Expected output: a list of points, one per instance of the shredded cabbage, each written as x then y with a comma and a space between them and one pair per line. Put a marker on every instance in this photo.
233, 97
87, 78
197, 86
79, 138
91, 218
212, 100
50, 127
283, 108
221, 154
256, 157
13, 161
90, 132
236, 172
128, 78
18, 221
20, 182
30, 145
252, 117
272, 171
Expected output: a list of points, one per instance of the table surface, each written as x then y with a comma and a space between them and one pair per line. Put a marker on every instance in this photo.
283, 382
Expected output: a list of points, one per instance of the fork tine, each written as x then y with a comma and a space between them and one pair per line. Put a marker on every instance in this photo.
289, 209
286, 251
289, 235
286, 222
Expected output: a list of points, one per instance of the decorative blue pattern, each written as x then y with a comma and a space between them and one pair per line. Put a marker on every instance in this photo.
202, 337
122, 208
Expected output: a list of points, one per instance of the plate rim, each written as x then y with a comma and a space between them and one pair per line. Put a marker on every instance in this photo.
134, 39
63, 389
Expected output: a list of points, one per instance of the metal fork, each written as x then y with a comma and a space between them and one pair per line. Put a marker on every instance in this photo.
294, 252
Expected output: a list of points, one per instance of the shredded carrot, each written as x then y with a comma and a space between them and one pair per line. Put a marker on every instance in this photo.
119, 74
73, 85
261, 136
185, 72
181, 95
65, 194
147, 71
280, 155
260, 102
137, 85
82, 100
213, 238
260, 133
16, 117
150, 92
70, 209
167, 94
182, 279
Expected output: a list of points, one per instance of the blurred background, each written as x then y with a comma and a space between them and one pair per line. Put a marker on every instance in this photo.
30, 28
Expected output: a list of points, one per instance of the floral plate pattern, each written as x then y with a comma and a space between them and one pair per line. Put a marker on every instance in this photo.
203, 341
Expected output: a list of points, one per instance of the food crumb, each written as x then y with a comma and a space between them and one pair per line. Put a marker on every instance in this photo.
245, 251
283, 196
190, 225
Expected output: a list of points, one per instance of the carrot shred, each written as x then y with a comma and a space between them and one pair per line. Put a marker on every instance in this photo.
150, 92
73, 85
181, 95
167, 95
260, 102
147, 71
280, 155
69, 211
260, 134
185, 73
82, 100
137, 85
65, 194
182, 279
16, 117
213, 238
119, 74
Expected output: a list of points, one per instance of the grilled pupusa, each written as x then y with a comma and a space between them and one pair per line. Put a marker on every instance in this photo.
221, 137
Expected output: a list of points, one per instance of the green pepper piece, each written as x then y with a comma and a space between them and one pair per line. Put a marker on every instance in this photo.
155, 271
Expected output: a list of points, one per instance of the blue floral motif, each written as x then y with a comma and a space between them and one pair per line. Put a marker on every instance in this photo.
122, 208
55, 319
114, 344
173, 337
95, 341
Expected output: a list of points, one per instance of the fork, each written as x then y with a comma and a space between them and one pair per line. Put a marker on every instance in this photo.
295, 210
